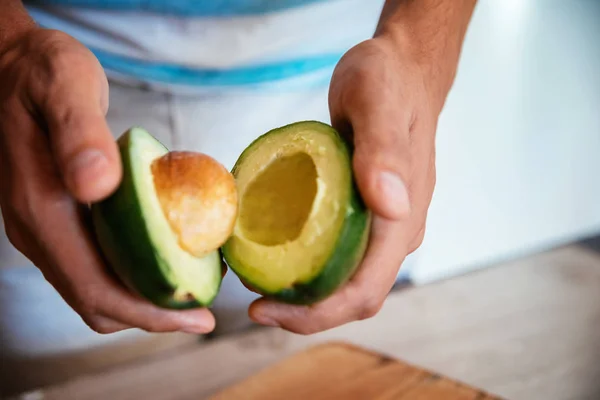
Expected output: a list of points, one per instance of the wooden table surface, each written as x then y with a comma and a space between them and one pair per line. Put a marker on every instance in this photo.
337, 370
528, 329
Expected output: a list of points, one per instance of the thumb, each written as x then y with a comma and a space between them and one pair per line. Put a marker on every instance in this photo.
382, 162
82, 144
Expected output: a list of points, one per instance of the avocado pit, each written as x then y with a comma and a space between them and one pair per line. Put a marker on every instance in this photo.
198, 197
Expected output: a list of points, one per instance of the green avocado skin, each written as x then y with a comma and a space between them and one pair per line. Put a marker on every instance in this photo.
341, 265
350, 247
125, 243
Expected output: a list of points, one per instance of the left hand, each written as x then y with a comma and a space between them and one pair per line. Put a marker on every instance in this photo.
379, 98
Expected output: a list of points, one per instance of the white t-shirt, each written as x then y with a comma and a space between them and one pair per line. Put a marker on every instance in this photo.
214, 45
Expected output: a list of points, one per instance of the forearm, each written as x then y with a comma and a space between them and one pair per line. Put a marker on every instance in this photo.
430, 33
14, 21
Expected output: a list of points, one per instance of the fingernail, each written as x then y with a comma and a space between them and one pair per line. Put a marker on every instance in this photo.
394, 193
86, 166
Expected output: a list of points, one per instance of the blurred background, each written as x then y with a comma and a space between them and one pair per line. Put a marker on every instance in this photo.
518, 162
519, 138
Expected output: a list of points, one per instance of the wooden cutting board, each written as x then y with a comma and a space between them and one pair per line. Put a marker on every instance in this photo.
339, 371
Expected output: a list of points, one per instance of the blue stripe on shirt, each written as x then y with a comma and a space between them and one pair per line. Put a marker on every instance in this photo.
238, 76
191, 8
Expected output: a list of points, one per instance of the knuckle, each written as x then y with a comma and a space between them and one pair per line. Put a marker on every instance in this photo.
86, 305
369, 307
417, 241
52, 53
29, 205
59, 51
64, 116
305, 330
61, 59
100, 325
86, 301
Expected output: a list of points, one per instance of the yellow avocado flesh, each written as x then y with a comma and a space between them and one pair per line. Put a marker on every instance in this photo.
138, 241
191, 275
292, 190
277, 203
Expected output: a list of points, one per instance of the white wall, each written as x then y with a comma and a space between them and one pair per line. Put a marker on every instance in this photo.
519, 139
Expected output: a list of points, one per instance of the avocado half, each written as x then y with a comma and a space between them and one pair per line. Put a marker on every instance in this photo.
138, 242
302, 228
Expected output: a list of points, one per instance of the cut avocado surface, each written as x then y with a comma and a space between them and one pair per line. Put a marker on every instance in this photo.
138, 242
302, 227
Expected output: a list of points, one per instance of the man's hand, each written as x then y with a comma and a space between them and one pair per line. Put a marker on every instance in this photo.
386, 95
378, 100
56, 152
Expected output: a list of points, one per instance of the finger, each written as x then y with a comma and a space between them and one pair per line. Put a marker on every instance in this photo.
382, 156
362, 297
417, 241
26, 243
93, 292
78, 272
162, 320
72, 104
251, 288
105, 325
121, 305
380, 150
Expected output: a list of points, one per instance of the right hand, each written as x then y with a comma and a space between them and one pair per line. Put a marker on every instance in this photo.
56, 152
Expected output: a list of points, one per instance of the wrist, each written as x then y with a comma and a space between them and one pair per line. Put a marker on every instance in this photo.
430, 34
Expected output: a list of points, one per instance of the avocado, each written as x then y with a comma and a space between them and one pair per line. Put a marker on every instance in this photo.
302, 228
138, 241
